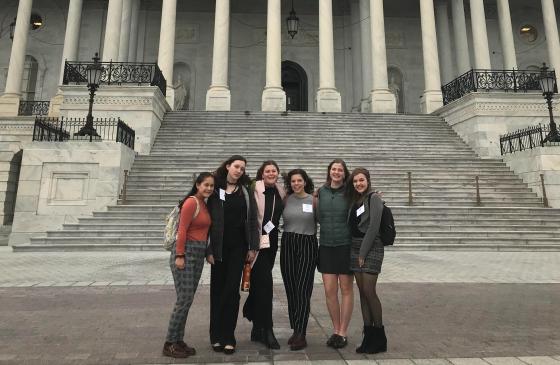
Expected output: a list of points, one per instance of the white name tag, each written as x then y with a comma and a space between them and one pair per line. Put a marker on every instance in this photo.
269, 227
222, 194
360, 211
307, 208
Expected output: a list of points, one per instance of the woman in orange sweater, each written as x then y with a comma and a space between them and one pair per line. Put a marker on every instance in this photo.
187, 261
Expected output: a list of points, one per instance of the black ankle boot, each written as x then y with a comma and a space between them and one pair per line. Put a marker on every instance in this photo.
367, 335
378, 342
256, 334
270, 340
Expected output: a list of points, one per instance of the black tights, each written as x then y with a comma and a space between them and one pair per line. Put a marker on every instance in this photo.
369, 301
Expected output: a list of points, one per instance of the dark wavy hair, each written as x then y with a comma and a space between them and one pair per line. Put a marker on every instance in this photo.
352, 195
346, 172
199, 179
309, 186
221, 172
260, 171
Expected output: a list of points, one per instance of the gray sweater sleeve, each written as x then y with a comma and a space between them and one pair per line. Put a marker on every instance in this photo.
375, 210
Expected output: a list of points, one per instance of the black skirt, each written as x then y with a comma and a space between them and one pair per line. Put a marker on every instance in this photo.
334, 260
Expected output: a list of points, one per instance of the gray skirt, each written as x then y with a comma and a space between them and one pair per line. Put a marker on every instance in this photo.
373, 261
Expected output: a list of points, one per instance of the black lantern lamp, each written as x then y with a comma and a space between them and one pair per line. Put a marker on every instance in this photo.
547, 81
93, 74
12, 29
292, 22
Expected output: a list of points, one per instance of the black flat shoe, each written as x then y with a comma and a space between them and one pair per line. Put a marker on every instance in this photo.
340, 342
229, 349
332, 340
217, 347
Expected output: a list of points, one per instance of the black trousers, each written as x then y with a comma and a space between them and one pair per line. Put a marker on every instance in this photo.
225, 281
258, 306
298, 260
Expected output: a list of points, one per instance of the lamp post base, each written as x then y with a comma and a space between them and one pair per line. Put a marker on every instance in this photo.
553, 136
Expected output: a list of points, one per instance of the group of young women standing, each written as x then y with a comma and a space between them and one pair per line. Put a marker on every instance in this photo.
241, 220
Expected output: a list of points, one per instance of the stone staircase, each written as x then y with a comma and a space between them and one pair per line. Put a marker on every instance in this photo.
444, 214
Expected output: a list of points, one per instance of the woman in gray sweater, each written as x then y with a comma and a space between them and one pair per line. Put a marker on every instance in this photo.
298, 253
366, 256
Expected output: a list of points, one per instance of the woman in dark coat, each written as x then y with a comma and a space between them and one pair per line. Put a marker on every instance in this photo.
234, 240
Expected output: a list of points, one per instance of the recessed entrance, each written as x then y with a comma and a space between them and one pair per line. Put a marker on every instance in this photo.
294, 82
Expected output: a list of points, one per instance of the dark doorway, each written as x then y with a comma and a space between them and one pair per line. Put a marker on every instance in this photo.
294, 82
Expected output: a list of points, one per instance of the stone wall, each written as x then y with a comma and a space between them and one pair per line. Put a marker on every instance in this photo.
530, 164
480, 118
61, 181
14, 134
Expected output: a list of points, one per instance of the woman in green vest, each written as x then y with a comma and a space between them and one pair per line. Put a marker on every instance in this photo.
334, 251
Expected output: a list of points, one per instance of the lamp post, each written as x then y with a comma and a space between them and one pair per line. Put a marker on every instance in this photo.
547, 81
292, 22
93, 73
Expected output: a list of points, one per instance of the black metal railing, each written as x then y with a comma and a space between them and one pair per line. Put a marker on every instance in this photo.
117, 73
62, 130
492, 80
524, 139
33, 107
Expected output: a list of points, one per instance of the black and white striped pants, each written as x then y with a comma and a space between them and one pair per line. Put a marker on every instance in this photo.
298, 260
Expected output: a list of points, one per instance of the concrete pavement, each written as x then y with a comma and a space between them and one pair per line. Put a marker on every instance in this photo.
439, 308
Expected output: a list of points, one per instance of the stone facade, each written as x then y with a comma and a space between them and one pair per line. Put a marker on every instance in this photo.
246, 76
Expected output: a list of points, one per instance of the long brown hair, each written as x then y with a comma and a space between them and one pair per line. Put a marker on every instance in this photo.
351, 193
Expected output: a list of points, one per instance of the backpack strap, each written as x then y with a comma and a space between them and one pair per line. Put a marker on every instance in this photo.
197, 208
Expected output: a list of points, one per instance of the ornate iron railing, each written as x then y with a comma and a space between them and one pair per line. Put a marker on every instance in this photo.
524, 139
33, 107
62, 130
117, 73
492, 80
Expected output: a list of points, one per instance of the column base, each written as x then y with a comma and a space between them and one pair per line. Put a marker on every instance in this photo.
218, 98
431, 101
54, 105
383, 101
273, 99
328, 100
9, 105
365, 106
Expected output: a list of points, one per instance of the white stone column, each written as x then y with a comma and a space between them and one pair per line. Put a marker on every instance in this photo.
70, 50
72, 35
432, 98
112, 31
9, 101
328, 98
506, 35
218, 96
166, 53
134, 22
365, 41
462, 56
356, 56
125, 30
551, 31
274, 97
480, 36
382, 100
444, 41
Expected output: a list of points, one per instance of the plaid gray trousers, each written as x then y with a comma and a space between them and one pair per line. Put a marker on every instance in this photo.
186, 282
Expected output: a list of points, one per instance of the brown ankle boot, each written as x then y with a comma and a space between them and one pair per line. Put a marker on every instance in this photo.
298, 343
189, 350
174, 350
